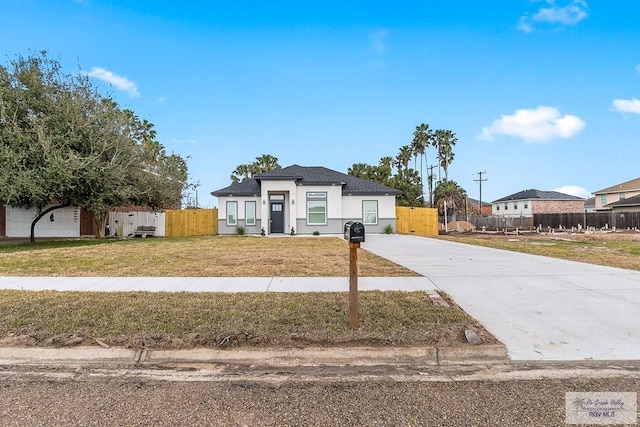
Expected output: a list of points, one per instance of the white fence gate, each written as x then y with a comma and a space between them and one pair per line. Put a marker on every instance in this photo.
124, 224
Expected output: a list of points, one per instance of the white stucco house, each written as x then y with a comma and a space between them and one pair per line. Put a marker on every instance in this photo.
305, 200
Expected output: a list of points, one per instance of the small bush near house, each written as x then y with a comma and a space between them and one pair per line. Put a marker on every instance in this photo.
293, 231
240, 230
316, 233
262, 232
388, 229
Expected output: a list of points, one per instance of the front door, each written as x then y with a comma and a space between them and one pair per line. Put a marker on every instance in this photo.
277, 217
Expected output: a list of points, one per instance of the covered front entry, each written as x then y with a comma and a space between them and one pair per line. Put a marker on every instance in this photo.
277, 217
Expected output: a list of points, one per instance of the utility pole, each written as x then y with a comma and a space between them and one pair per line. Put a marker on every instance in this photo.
479, 181
430, 181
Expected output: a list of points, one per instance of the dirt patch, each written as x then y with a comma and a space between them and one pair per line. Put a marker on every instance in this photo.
459, 226
613, 249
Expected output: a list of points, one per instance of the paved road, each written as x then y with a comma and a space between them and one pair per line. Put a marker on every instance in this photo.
214, 395
540, 308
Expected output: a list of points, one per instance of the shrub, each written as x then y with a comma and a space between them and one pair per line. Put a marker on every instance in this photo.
388, 229
316, 233
240, 230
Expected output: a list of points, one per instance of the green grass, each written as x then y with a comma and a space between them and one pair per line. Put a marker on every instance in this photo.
217, 256
227, 320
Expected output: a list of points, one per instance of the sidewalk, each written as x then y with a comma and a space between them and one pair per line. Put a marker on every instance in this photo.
215, 284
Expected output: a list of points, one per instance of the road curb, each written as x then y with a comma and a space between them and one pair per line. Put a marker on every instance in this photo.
309, 356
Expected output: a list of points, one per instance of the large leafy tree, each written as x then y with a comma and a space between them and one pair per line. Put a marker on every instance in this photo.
62, 143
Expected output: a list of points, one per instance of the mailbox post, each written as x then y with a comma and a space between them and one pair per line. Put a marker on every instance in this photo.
354, 234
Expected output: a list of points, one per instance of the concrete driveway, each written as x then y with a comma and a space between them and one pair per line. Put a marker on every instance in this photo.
540, 308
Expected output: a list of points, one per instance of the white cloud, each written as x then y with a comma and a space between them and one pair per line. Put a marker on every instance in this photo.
627, 105
571, 13
119, 82
378, 41
574, 190
524, 25
535, 125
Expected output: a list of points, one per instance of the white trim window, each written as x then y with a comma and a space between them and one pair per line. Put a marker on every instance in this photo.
250, 213
316, 208
370, 212
232, 213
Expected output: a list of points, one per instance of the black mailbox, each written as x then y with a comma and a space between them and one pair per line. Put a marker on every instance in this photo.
353, 232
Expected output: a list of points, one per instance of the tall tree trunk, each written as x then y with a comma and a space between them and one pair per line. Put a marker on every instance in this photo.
100, 220
32, 238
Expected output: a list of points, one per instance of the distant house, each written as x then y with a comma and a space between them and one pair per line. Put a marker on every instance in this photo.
486, 206
64, 222
590, 204
305, 200
619, 192
526, 203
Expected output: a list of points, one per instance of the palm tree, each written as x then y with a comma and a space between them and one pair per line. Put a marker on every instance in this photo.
241, 174
265, 163
420, 143
384, 171
403, 157
453, 194
446, 140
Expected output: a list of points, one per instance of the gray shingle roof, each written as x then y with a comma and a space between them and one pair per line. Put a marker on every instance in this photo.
631, 201
631, 185
538, 194
249, 187
308, 175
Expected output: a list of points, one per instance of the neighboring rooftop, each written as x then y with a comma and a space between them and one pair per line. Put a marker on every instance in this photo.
538, 194
632, 185
307, 175
629, 202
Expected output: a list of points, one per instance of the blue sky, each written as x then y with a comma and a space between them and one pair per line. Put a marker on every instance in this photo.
541, 94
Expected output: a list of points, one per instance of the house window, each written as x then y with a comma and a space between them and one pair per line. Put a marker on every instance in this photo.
515, 206
250, 213
623, 196
526, 205
603, 199
370, 212
506, 206
497, 207
316, 208
232, 213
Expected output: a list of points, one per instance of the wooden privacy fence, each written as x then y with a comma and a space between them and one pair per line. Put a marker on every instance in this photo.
418, 221
191, 222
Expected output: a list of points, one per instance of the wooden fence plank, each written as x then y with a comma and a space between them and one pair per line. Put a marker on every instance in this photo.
418, 221
191, 222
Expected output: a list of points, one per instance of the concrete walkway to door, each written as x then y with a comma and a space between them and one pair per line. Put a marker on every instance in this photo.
540, 308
